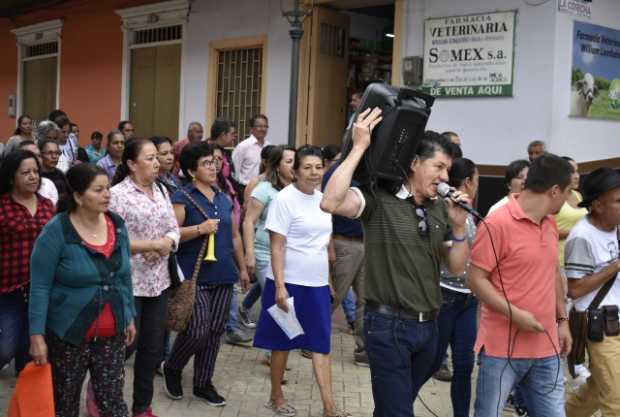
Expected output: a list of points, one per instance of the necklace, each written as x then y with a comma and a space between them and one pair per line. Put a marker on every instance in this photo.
88, 228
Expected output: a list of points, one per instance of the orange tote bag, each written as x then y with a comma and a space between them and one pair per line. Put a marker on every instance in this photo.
34, 393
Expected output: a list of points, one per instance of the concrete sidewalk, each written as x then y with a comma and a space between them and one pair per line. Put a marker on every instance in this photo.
244, 382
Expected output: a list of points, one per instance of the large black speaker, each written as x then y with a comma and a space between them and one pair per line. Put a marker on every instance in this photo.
394, 140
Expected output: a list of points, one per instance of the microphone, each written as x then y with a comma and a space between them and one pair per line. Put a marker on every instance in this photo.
445, 191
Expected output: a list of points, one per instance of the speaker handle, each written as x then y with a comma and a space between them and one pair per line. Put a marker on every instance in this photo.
405, 93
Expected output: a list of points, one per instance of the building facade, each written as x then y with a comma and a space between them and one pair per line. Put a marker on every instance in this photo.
166, 64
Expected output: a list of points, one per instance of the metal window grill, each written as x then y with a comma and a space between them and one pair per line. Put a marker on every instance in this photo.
162, 34
238, 90
41, 49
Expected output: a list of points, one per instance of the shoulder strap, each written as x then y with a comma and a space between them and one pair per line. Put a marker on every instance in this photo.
161, 186
199, 259
191, 199
602, 293
205, 242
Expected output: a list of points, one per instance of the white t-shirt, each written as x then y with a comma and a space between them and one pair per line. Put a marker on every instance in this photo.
69, 152
588, 250
48, 190
497, 205
307, 228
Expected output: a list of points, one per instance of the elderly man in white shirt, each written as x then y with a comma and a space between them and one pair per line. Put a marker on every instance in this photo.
246, 156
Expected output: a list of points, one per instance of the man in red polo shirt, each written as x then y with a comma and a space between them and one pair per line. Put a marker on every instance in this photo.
523, 350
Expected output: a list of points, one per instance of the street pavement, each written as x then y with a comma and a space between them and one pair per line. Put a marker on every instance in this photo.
244, 381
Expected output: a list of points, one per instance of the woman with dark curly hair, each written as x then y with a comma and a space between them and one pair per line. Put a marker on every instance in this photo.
23, 213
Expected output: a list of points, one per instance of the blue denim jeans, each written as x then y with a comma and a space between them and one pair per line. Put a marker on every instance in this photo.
457, 329
544, 395
257, 288
233, 321
14, 338
349, 306
401, 354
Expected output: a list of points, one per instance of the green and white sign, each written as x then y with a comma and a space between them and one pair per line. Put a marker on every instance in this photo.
469, 56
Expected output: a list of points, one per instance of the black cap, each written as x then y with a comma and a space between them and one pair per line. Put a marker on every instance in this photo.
597, 183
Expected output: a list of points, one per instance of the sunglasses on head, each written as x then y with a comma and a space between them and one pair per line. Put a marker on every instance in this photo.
420, 212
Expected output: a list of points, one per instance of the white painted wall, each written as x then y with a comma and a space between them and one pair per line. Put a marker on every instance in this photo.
584, 139
216, 20
496, 130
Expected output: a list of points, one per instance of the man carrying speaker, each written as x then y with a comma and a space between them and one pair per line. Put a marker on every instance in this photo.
405, 237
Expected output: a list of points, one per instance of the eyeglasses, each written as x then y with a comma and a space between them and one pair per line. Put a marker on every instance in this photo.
208, 163
420, 212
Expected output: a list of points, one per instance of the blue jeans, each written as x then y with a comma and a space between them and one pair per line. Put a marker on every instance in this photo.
457, 328
252, 296
233, 321
401, 354
257, 288
349, 306
536, 379
14, 338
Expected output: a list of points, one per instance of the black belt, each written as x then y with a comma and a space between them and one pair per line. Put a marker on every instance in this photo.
350, 238
402, 313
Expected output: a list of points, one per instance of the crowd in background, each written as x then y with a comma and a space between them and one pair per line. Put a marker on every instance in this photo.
96, 240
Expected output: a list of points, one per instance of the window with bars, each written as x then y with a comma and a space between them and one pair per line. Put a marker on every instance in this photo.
49, 48
161, 34
238, 90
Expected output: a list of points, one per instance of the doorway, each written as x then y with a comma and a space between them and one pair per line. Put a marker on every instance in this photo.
345, 47
154, 90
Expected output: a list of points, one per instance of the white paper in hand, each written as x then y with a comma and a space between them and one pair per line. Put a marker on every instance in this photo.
287, 321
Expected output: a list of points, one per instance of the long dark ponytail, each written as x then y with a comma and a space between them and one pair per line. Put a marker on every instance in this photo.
133, 147
79, 178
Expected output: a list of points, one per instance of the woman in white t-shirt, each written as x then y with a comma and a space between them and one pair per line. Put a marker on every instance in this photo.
299, 234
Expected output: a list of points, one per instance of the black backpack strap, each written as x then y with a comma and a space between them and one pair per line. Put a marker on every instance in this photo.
602, 293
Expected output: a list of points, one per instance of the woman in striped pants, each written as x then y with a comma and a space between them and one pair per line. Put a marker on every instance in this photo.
202, 209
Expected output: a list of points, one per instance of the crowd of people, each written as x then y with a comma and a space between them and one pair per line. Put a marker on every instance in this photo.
96, 243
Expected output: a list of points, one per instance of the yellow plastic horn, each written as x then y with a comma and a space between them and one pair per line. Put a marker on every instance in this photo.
210, 256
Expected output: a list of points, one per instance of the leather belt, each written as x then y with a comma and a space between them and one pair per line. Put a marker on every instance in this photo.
350, 238
401, 313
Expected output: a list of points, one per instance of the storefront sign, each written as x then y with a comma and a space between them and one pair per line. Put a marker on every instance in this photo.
576, 7
595, 76
469, 56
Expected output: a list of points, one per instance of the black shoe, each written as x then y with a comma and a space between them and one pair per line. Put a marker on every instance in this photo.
210, 395
172, 383
361, 358
443, 373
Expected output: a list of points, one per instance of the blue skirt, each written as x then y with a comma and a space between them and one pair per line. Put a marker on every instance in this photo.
313, 309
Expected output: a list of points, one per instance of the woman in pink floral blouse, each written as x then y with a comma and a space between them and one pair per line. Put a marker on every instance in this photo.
153, 234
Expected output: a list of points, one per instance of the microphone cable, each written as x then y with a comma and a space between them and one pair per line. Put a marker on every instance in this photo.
511, 340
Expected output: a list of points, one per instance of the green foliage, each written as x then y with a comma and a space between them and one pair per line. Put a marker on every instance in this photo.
576, 75
602, 109
601, 83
